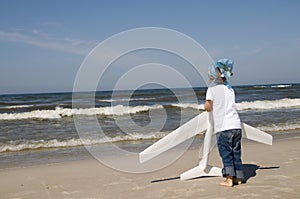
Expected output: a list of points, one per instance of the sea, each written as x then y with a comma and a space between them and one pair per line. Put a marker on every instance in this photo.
40, 128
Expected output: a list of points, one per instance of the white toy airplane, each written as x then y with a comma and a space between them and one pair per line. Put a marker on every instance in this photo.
195, 126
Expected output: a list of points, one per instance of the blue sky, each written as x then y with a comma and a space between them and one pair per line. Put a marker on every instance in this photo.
43, 43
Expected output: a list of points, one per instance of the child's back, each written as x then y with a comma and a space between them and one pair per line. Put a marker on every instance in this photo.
220, 99
224, 109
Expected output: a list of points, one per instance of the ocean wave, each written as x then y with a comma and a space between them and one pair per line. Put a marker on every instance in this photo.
280, 127
59, 112
125, 99
16, 106
269, 104
281, 86
273, 86
254, 105
189, 105
21, 145
14, 146
120, 110
260, 86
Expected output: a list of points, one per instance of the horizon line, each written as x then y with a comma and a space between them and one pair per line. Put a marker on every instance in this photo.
158, 88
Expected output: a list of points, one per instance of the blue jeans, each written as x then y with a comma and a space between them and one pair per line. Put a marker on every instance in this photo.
229, 145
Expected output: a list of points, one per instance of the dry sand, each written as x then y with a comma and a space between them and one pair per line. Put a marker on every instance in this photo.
271, 171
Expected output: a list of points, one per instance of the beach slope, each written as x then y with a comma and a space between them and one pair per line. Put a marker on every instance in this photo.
271, 172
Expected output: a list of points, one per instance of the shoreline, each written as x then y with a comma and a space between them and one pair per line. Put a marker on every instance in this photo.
27, 158
271, 172
45, 156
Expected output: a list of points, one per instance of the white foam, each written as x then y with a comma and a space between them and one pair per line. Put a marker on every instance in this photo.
54, 143
280, 127
281, 86
120, 110
16, 106
189, 105
260, 86
254, 105
67, 112
125, 99
269, 104
273, 86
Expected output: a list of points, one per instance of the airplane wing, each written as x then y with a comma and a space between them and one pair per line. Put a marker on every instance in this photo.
255, 134
248, 132
196, 125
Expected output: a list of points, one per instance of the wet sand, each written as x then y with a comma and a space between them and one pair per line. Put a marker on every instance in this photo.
271, 172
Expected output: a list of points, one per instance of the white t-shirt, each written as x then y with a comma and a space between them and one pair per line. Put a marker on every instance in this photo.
224, 111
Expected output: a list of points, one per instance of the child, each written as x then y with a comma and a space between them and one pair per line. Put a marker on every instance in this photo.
220, 99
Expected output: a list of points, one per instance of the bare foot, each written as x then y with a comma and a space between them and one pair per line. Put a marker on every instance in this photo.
237, 181
228, 182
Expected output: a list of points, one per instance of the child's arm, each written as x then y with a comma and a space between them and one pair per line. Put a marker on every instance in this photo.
208, 105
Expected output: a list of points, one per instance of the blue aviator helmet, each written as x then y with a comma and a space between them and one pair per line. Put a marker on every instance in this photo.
225, 66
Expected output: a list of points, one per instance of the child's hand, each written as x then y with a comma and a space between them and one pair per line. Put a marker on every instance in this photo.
208, 105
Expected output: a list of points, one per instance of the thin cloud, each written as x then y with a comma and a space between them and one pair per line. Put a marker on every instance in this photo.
255, 51
51, 24
44, 40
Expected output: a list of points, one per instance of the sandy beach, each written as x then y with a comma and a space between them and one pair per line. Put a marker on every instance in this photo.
87, 86
271, 172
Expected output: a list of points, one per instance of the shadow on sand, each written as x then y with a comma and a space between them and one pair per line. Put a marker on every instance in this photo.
249, 172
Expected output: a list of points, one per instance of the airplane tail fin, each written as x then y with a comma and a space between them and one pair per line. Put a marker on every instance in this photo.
198, 171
